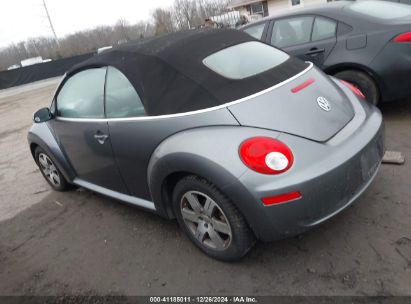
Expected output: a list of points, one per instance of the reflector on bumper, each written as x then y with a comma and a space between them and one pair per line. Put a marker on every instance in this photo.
282, 198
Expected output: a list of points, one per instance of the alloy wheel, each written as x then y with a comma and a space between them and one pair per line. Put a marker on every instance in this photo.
206, 220
49, 170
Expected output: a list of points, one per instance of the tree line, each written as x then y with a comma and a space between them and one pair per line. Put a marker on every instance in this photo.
183, 14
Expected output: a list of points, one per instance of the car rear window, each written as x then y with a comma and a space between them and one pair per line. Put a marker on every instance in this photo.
245, 60
382, 9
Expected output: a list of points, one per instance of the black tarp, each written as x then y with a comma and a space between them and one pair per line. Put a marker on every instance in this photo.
170, 77
39, 71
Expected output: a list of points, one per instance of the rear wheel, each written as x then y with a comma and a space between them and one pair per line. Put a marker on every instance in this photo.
50, 171
210, 219
363, 82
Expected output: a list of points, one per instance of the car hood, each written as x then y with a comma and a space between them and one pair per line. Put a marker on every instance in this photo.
296, 109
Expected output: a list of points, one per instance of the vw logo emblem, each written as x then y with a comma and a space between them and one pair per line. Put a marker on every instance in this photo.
324, 104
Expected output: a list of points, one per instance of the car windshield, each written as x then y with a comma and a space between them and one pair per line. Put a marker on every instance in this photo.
245, 60
381, 9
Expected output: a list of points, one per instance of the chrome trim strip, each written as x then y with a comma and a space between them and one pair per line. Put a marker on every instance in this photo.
192, 112
116, 195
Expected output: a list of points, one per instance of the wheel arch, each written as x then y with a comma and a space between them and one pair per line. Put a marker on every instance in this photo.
210, 153
41, 136
332, 70
33, 147
162, 190
166, 189
163, 179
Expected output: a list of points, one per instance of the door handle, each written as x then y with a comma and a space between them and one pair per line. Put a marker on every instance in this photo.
314, 51
101, 138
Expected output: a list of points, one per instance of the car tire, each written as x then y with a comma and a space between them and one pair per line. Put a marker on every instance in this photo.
50, 171
362, 81
210, 219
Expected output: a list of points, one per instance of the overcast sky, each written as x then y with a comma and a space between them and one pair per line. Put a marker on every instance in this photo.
21, 19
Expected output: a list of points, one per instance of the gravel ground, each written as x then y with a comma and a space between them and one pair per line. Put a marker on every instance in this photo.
81, 243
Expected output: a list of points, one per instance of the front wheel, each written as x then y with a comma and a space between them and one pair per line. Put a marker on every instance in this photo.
50, 171
210, 220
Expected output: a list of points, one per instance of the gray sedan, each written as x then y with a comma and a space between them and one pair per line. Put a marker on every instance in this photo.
232, 137
367, 43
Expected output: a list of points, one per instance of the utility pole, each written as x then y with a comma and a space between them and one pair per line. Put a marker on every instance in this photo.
51, 23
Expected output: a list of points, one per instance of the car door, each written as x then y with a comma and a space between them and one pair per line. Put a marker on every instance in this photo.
82, 130
132, 136
310, 38
323, 40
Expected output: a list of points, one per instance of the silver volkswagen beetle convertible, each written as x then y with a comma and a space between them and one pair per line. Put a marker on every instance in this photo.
232, 137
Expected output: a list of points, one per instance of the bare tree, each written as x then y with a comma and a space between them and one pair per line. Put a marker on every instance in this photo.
163, 21
121, 30
141, 30
184, 14
78, 43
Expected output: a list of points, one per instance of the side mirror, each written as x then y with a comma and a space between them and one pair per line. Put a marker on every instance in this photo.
42, 115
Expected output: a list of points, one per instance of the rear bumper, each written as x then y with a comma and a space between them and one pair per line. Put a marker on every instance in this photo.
325, 195
329, 176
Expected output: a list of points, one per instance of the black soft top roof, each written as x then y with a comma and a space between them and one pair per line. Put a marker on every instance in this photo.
170, 77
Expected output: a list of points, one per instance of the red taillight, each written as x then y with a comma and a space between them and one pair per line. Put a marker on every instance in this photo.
404, 37
266, 155
282, 198
353, 88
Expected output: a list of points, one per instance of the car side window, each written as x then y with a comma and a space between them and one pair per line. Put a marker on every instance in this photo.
122, 99
323, 28
292, 31
82, 95
256, 31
